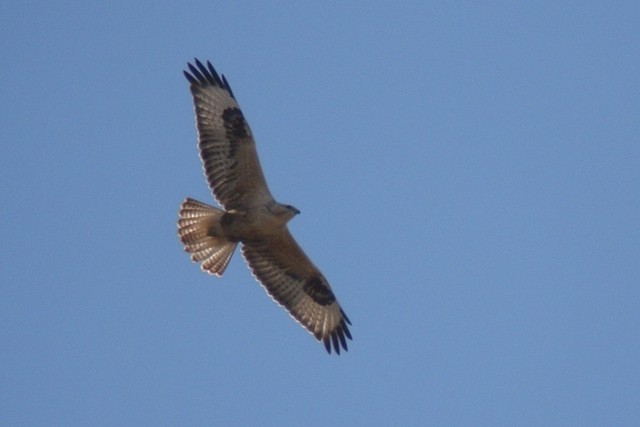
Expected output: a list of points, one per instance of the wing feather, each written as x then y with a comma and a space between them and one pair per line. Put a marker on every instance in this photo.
291, 279
226, 144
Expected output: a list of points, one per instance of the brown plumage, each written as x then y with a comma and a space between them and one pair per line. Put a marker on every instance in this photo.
251, 216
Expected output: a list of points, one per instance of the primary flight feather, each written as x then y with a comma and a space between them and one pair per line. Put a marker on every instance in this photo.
250, 215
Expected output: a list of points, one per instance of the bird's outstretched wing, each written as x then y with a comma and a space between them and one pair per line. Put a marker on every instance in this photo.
227, 147
292, 280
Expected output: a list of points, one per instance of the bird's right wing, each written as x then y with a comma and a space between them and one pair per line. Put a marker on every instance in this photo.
292, 280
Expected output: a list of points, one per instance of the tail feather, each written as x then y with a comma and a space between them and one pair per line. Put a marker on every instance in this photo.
197, 224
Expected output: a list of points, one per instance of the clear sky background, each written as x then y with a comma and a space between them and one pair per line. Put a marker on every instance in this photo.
469, 180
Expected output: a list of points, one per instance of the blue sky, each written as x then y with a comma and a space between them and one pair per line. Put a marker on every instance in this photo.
469, 181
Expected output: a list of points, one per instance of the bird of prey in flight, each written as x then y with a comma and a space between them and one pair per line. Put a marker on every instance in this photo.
250, 216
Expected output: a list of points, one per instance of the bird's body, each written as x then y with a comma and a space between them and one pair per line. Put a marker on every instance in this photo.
251, 216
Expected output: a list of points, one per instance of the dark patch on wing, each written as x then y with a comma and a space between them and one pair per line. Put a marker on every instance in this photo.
236, 129
318, 291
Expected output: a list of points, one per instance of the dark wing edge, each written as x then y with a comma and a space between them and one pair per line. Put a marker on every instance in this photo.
201, 75
303, 292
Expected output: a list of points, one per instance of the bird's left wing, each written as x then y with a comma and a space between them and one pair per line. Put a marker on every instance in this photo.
292, 280
227, 148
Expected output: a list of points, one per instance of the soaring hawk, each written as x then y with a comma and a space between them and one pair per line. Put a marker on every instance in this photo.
250, 215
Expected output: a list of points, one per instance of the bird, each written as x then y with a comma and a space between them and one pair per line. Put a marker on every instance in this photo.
250, 216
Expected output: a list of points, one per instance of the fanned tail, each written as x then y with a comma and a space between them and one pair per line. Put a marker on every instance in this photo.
197, 226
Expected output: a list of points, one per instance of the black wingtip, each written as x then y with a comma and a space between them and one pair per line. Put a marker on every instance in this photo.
337, 340
327, 344
336, 346
206, 75
226, 85
197, 75
345, 317
346, 331
189, 77
343, 341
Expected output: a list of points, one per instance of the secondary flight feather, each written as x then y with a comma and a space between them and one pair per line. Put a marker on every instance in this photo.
250, 216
